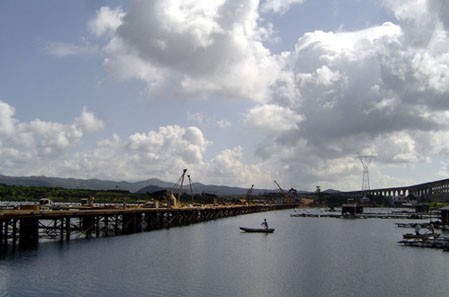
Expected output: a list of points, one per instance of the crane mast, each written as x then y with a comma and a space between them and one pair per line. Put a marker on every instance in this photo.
178, 186
248, 194
190, 184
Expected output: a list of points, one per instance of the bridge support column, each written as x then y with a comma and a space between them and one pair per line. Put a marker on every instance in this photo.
29, 232
87, 225
67, 229
132, 223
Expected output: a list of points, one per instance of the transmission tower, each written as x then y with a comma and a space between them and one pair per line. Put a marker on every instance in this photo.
365, 160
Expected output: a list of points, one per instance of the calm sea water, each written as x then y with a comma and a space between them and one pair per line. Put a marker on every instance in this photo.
303, 257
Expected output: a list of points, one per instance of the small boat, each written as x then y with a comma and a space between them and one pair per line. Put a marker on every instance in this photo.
420, 236
257, 230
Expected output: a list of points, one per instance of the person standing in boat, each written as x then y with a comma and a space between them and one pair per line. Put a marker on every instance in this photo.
265, 223
417, 227
431, 228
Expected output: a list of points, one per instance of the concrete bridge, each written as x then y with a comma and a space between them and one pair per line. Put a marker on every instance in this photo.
436, 191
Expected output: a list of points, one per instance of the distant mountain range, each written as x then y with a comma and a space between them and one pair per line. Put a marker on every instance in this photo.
150, 185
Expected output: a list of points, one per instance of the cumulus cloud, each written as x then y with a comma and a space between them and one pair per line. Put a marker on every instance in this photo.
274, 118
189, 143
88, 122
7, 121
41, 147
200, 46
384, 89
157, 153
39, 140
229, 164
278, 6
420, 20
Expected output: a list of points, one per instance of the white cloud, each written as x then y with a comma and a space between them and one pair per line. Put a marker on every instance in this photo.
62, 49
378, 89
88, 122
106, 21
384, 89
224, 123
143, 155
201, 46
420, 20
41, 141
41, 147
278, 6
170, 144
229, 168
7, 121
274, 118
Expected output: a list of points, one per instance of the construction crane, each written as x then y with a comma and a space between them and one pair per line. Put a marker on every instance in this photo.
178, 186
249, 193
190, 184
194, 190
286, 197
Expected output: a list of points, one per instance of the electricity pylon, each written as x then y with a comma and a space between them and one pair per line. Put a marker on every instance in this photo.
365, 160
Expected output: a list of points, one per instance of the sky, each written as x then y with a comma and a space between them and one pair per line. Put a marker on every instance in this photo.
240, 92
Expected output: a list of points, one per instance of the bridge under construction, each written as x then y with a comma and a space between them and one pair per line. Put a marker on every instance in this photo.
27, 227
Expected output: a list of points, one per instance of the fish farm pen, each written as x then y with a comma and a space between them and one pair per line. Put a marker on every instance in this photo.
25, 227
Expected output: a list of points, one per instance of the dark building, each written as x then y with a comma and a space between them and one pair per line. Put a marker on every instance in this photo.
351, 209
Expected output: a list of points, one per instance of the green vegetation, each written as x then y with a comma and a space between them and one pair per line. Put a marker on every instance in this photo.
436, 205
58, 194
22, 193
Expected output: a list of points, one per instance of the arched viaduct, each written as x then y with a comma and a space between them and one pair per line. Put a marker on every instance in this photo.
436, 191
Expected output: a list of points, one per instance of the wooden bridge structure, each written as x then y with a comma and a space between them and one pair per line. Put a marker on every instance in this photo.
25, 228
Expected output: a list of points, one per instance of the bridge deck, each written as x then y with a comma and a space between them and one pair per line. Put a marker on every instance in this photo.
25, 227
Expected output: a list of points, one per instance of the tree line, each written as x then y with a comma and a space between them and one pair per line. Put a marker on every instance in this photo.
26, 193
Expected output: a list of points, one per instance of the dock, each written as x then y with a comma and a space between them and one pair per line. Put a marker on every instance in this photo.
27, 227
362, 216
435, 243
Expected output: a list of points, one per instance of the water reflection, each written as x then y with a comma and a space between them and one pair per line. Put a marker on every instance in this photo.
303, 257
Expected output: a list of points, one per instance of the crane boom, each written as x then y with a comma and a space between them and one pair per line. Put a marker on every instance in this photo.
286, 197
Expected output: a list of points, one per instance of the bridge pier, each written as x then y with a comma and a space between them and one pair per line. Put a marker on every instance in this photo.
132, 223
29, 232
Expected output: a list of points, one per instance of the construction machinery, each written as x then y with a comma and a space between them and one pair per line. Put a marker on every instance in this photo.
249, 194
284, 194
176, 201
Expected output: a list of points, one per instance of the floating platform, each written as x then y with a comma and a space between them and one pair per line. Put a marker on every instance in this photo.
360, 216
435, 243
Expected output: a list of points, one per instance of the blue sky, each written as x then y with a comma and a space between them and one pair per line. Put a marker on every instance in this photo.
238, 92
